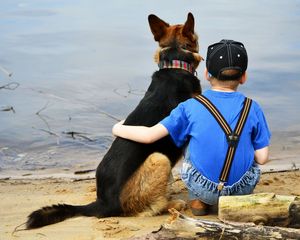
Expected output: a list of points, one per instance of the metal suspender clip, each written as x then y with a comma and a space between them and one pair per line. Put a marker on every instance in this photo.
232, 139
220, 186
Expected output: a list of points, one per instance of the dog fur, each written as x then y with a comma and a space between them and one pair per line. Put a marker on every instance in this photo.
132, 178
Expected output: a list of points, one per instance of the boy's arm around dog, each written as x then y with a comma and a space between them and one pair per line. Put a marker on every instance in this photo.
140, 134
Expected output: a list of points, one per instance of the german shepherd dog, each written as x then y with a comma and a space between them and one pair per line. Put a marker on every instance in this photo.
132, 178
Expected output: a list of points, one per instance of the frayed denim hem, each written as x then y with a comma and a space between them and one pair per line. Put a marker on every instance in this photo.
202, 188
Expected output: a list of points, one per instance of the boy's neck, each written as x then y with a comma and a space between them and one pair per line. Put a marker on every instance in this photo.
223, 89
223, 86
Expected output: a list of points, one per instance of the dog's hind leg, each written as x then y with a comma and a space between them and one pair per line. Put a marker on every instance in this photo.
146, 190
145, 193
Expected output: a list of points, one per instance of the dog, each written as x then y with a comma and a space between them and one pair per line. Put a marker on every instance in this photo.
132, 178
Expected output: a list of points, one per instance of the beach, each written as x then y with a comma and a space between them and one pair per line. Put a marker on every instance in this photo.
22, 195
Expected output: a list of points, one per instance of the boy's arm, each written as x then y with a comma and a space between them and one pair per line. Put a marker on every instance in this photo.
261, 156
140, 134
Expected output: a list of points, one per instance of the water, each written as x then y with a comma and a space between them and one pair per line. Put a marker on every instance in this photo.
82, 64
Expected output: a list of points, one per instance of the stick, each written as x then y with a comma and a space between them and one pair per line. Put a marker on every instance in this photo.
180, 226
10, 86
84, 171
79, 134
283, 170
109, 115
9, 74
42, 109
7, 108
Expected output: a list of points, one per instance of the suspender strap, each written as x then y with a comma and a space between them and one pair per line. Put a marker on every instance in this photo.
232, 136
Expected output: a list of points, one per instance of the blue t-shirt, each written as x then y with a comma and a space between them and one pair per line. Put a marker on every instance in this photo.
191, 121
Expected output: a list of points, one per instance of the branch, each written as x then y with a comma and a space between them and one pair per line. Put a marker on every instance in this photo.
180, 226
10, 86
7, 109
5, 71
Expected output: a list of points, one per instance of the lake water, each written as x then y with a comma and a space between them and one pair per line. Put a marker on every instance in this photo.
79, 65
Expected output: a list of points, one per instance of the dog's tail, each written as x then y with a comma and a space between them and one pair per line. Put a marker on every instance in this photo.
58, 213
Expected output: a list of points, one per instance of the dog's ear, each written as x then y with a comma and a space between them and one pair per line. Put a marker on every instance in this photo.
158, 27
188, 28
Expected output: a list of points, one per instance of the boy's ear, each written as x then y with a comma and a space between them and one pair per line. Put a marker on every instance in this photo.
243, 78
158, 27
206, 74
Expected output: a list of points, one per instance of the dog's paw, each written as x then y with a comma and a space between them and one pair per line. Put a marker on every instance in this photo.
178, 204
146, 213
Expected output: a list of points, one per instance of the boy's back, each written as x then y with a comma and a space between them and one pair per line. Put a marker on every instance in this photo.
208, 144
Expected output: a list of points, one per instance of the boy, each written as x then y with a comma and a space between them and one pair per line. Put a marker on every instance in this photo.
208, 148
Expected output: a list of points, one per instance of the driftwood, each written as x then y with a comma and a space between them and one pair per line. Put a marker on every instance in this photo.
263, 208
180, 226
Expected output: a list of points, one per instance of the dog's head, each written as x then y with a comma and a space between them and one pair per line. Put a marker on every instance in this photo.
180, 36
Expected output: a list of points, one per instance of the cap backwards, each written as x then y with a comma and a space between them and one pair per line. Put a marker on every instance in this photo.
226, 55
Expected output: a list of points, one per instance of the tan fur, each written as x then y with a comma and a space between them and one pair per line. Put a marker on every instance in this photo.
178, 204
184, 35
198, 58
145, 193
156, 55
144, 190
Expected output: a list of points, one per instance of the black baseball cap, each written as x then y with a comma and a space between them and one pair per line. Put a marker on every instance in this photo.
225, 55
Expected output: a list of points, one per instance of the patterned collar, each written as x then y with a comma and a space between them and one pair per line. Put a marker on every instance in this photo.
177, 64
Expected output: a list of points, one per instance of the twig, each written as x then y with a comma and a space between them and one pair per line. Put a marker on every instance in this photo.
9, 74
79, 134
10, 86
18, 230
293, 169
41, 234
85, 137
47, 131
7, 108
47, 124
109, 115
158, 230
84, 171
64, 99
222, 234
129, 91
42, 109
83, 179
44, 120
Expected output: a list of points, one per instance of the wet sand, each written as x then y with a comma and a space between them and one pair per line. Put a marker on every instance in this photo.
19, 197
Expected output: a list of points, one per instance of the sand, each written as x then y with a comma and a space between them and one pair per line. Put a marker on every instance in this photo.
22, 192
19, 197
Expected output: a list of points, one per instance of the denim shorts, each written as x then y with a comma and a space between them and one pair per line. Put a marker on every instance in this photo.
205, 190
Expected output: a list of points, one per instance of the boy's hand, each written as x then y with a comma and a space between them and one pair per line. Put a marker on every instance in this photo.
116, 127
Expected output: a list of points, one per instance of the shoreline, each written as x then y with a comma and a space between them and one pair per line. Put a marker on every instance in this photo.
56, 161
281, 163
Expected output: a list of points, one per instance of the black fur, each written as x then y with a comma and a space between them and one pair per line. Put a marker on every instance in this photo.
168, 88
57, 213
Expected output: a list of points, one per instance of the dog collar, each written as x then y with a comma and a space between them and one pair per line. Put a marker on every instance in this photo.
176, 64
